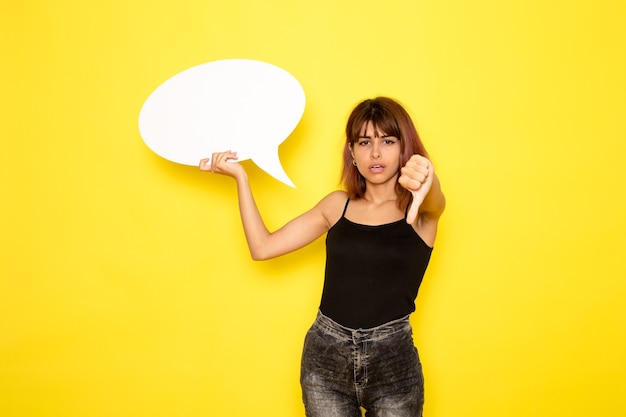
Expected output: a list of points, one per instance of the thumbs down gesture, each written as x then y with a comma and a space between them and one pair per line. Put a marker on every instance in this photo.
417, 177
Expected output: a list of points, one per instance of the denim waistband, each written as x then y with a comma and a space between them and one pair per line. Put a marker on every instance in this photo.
383, 331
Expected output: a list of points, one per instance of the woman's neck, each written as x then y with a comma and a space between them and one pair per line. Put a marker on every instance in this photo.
380, 193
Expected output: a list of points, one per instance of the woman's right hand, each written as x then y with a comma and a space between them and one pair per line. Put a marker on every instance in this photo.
222, 163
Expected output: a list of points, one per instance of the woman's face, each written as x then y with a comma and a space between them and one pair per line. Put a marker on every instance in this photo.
377, 155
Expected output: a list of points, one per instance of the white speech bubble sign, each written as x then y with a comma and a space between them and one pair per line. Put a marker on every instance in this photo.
242, 105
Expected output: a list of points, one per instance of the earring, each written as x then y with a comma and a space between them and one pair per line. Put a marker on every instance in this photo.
354, 162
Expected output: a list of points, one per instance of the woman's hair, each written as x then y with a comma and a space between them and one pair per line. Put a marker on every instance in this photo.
388, 117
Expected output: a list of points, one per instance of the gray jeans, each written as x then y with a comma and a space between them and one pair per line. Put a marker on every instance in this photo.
345, 369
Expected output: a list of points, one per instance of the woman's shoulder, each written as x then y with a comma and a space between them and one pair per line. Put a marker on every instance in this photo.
335, 198
332, 206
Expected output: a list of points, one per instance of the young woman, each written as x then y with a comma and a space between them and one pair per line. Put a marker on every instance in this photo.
359, 353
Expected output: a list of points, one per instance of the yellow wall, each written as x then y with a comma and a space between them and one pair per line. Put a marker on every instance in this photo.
126, 288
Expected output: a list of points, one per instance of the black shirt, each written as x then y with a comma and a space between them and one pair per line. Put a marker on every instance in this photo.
373, 273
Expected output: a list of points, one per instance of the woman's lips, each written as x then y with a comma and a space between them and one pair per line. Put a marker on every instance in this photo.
376, 168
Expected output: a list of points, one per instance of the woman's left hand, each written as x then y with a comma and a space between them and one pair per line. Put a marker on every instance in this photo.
417, 177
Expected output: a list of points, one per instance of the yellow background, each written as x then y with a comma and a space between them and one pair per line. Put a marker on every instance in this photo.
126, 286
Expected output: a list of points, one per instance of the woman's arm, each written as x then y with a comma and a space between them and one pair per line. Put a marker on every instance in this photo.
262, 243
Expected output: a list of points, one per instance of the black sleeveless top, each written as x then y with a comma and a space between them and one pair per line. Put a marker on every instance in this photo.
373, 273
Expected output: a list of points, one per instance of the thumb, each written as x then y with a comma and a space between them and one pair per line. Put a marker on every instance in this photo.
414, 208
